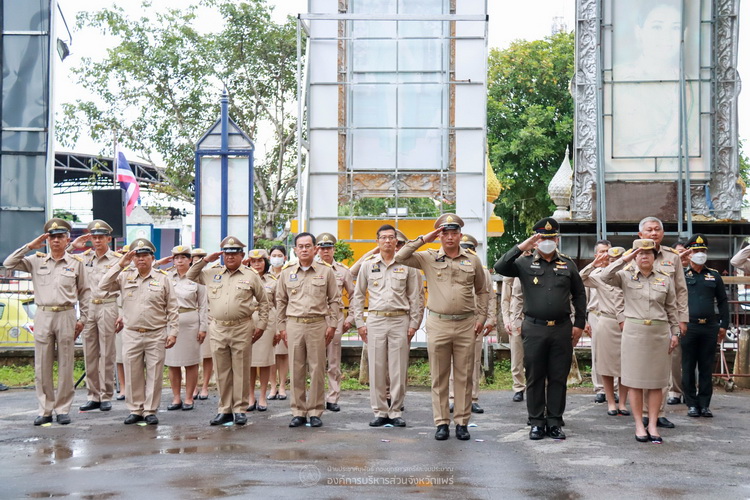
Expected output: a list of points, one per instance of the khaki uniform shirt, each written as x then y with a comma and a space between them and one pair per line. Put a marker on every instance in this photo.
646, 297
269, 284
456, 285
148, 303
308, 293
56, 282
604, 298
668, 262
96, 268
191, 295
491, 300
741, 260
231, 293
391, 287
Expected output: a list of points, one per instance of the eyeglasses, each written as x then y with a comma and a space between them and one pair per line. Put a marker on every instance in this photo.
387, 238
304, 247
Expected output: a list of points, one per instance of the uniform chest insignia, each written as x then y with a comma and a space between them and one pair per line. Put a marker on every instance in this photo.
635, 278
709, 277
244, 282
375, 284
292, 277
561, 266
465, 263
666, 263
154, 283
534, 265
68, 269
536, 280
318, 277
43, 267
217, 277
690, 273
561, 263
440, 259
398, 270
376, 268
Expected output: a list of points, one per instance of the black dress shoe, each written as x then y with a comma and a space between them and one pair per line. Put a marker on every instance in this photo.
642, 439
462, 433
555, 432
105, 405
272, 397
379, 421
121, 397
518, 397
624, 413
398, 422
450, 407
674, 401
222, 418
333, 407
262, 408
133, 418
536, 433
63, 419
4, 387
90, 405
706, 412
693, 412
612, 413
282, 397
187, 407
443, 432
151, 419
175, 406
475, 408
316, 422
655, 439
297, 422
663, 422
240, 419
252, 407
202, 397
600, 398
43, 419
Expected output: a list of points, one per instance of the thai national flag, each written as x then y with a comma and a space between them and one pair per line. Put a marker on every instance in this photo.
128, 182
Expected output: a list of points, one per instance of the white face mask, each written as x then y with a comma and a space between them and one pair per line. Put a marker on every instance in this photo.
277, 261
547, 246
699, 258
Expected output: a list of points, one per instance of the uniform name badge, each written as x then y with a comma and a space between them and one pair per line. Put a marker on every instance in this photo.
376, 269
709, 277
217, 277
292, 277
68, 269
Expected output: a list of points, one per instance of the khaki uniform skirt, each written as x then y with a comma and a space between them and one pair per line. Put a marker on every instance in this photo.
187, 350
607, 345
645, 358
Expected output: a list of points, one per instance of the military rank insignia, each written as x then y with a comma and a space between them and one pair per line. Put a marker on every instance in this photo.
536, 280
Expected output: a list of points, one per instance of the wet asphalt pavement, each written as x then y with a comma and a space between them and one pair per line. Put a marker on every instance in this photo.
97, 457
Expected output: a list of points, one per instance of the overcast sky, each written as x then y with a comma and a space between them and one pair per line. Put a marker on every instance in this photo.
508, 20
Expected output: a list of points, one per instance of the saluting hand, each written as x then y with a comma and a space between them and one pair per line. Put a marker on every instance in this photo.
126, 259
165, 260
213, 257
80, 242
601, 260
530, 242
432, 235
329, 334
171, 341
38, 242
627, 257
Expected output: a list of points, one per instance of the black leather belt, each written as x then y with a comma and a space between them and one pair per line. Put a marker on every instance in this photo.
548, 322
703, 321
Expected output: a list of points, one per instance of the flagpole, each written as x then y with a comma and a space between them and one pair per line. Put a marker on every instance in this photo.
114, 160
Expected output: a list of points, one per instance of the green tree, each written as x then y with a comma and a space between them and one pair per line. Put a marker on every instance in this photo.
157, 92
529, 126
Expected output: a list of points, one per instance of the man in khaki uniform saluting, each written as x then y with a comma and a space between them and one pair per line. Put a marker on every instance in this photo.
325, 248
469, 243
231, 289
59, 282
456, 312
99, 331
394, 315
307, 304
150, 326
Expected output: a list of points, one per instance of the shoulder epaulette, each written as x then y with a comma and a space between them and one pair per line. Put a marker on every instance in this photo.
629, 267
662, 272
371, 257
170, 268
325, 263
162, 271
117, 254
253, 270
272, 276
712, 269
77, 257
86, 252
286, 265
41, 254
472, 252
127, 268
563, 255
342, 265
670, 249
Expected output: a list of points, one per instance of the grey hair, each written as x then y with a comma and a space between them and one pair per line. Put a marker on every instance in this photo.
649, 219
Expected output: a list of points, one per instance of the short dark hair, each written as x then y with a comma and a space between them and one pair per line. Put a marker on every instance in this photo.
682, 242
280, 248
603, 242
302, 235
385, 227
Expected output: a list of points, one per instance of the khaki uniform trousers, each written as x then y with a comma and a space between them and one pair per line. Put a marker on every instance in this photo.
307, 347
54, 331
232, 348
388, 357
143, 359
675, 376
476, 372
596, 379
516, 362
333, 353
99, 351
451, 341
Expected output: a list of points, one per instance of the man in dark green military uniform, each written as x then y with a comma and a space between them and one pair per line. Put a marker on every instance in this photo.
705, 329
550, 283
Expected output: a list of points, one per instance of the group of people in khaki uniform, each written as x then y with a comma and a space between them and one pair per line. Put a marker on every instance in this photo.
637, 312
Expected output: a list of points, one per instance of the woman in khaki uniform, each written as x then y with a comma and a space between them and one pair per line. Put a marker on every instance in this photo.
263, 350
650, 318
191, 298
206, 357
281, 366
